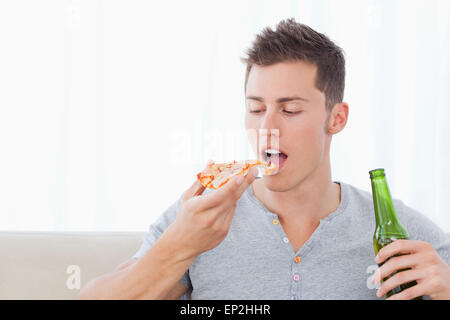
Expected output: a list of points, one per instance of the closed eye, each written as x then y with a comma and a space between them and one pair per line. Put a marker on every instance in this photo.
285, 111
291, 112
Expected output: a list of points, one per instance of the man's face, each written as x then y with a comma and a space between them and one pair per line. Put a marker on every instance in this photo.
284, 97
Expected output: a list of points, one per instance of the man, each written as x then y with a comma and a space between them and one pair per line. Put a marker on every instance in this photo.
292, 235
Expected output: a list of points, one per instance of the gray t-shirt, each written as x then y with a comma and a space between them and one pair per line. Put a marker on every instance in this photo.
256, 260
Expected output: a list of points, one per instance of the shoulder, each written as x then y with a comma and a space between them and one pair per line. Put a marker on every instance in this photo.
165, 218
419, 226
416, 222
357, 196
424, 229
168, 216
358, 205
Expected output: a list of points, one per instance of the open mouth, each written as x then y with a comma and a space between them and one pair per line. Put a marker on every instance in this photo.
273, 156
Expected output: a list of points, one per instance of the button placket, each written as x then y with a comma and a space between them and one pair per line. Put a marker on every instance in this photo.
295, 277
280, 231
295, 273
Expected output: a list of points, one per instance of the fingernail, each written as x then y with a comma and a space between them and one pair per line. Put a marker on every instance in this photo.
255, 172
239, 179
377, 258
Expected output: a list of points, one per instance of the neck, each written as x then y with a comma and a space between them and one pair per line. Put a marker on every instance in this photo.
311, 200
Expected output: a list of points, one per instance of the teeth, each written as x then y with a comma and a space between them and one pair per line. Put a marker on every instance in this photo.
269, 153
272, 151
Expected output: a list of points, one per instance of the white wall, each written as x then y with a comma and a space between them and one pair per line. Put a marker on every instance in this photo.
108, 109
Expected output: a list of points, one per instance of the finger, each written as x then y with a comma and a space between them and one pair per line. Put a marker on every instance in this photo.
228, 216
196, 188
227, 208
398, 247
228, 194
400, 278
410, 293
221, 195
248, 180
395, 264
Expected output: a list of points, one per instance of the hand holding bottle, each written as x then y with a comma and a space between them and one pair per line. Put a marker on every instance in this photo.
426, 267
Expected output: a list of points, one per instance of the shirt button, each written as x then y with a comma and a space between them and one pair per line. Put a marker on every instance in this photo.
296, 277
275, 221
297, 259
285, 240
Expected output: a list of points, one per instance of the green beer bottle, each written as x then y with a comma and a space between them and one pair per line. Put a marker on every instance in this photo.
388, 227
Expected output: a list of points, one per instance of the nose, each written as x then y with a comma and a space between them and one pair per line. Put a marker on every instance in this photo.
270, 124
269, 131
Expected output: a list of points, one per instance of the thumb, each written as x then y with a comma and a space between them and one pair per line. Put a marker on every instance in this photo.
196, 188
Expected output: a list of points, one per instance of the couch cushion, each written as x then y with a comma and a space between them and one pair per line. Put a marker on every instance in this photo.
51, 265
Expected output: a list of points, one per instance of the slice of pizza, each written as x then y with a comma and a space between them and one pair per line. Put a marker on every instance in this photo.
217, 174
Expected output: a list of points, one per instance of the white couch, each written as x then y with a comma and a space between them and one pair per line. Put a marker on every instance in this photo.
53, 265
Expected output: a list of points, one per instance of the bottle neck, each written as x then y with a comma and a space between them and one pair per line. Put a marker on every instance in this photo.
385, 216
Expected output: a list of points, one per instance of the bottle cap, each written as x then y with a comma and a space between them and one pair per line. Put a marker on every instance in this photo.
376, 173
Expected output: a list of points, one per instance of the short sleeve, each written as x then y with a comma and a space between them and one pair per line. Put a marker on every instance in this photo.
424, 229
155, 230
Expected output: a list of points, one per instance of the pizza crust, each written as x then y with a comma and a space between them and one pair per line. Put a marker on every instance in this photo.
216, 175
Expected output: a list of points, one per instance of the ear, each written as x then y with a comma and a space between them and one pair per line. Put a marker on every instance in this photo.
338, 118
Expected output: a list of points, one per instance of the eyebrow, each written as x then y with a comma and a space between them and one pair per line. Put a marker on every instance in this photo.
279, 100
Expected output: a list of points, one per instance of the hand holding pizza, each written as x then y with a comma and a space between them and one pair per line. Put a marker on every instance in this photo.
203, 221
420, 262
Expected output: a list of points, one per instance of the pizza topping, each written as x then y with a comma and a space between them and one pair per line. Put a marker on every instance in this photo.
216, 175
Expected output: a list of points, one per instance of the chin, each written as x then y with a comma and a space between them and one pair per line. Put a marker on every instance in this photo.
275, 184
284, 181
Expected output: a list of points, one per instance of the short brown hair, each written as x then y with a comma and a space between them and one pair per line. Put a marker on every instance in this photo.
293, 41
